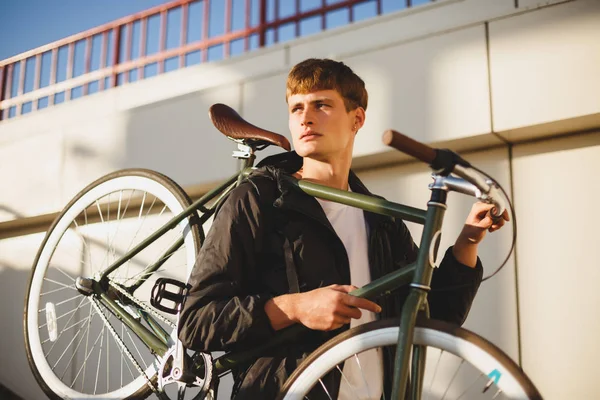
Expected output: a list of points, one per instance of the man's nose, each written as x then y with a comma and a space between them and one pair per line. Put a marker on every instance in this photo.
306, 118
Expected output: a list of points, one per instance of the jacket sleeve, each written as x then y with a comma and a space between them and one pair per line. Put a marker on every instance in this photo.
453, 289
453, 286
223, 310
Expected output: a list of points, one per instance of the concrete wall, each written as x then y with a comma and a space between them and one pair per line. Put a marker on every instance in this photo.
468, 74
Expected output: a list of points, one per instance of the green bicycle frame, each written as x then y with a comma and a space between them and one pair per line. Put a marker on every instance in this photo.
418, 275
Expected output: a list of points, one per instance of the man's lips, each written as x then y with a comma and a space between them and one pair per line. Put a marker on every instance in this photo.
308, 134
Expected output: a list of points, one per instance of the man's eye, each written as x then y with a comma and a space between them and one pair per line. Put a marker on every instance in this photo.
295, 109
321, 105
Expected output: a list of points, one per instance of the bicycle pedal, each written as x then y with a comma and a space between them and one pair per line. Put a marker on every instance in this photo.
168, 290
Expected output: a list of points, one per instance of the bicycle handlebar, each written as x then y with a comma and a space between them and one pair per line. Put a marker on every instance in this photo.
446, 161
403, 143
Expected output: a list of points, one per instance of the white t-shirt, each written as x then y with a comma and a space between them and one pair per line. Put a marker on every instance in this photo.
364, 381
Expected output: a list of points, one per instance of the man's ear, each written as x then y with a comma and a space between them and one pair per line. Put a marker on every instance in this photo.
359, 117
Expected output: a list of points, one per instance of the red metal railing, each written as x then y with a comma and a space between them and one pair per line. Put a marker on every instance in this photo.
116, 65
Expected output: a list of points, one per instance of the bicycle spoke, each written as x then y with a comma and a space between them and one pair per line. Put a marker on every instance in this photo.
101, 219
64, 315
61, 332
84, 240
120, 217
99, 360
141, 224
66, 300
435, 372
97, 228
87, 340
325, 389
74, 353
137, 350
62, 272
58, 290
64, 330
347, 381
77, 255
453, 377
107, 364
363, 375
109, 242
85, 364
65, 350
470, 386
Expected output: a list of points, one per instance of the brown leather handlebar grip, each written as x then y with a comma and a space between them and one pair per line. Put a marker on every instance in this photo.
409, 146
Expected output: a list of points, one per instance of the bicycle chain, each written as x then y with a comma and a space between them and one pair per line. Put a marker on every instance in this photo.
124, 348
141, 304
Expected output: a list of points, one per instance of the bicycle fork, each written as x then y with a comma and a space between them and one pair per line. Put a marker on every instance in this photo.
416, 302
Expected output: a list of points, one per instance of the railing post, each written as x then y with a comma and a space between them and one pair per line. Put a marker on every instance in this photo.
262, 23
116, 51
2, 87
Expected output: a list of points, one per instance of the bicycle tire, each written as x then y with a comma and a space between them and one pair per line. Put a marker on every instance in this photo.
488, 360
52, 277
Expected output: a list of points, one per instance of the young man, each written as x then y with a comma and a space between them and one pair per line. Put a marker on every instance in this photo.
276, 256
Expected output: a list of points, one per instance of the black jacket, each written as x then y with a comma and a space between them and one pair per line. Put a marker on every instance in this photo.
242, 265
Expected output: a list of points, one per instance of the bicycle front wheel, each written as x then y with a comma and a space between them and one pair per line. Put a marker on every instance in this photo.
459, 365
76, 347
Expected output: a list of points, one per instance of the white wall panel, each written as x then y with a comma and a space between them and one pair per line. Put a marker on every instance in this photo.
398, 27
201, 77
264, 105
532, 4
556, 193
433, 89
544, 65
30, 171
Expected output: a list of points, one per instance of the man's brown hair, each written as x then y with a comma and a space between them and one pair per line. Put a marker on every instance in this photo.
323, 74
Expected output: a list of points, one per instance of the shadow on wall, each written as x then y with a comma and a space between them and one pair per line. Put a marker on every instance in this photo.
9, 210
177, 138
13, 285
7, 394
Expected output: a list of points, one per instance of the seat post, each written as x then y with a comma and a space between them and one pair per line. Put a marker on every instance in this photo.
245, 155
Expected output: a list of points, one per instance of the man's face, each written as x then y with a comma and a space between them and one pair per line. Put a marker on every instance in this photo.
321, 127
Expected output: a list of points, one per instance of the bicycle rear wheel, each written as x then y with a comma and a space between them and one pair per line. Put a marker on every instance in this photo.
76, 348
459, 365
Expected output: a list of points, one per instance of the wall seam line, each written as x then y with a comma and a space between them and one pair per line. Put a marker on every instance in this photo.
515, 258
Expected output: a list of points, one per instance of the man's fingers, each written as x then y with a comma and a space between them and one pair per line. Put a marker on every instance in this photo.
362, 303
343, 288
347, 311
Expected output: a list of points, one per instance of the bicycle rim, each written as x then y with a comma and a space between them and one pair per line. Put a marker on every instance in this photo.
459, 365
72, 351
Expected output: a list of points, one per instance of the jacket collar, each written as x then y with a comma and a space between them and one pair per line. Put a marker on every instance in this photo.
291, 197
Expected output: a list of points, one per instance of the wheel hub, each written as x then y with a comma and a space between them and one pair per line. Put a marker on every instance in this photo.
85, 286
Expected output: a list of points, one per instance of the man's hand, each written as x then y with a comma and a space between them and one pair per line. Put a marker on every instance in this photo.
478, 223
324, 309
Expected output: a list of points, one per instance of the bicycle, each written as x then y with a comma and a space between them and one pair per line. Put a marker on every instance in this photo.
120, 277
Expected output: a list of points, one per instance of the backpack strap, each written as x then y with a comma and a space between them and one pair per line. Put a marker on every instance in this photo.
290, 266
267, 198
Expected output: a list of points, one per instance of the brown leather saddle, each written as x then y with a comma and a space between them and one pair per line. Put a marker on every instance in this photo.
232, 125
